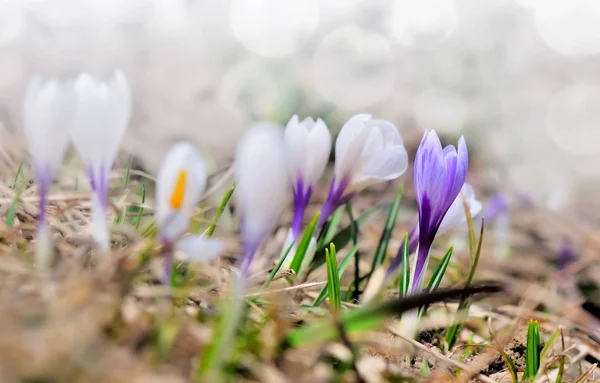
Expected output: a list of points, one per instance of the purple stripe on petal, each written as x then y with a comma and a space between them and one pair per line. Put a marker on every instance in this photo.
301, 199
439, 176
99, 182
335, 199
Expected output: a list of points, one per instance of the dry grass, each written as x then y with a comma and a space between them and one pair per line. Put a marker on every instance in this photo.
111, 321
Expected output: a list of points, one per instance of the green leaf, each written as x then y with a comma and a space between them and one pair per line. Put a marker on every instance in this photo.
333, 280
561, 366
532, 354
343, 266
127, 172
220, 209
209, 365
278, 266
138, 219
425, 369
390, 222
372, 316
436, 278
405, 277
453, 331
341, 239
331, 226
19, 186
304, 244
548, 346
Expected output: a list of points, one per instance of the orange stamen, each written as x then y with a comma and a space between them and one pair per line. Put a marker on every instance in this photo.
178, 193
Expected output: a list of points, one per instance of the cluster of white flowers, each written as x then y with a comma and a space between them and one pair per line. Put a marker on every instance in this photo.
272, 164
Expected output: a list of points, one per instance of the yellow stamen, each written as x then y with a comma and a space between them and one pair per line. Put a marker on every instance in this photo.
178, 193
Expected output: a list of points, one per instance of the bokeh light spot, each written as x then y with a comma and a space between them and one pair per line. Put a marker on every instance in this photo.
273, 28
573, 121
354, 68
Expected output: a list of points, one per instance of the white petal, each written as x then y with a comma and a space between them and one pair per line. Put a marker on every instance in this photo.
47, 122
262, 183
383, 158
318, 149
350, 144
198, 248
296, 147
387, 164
101, 116
182, 159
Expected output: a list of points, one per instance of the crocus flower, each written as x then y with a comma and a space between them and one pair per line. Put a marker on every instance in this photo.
180, 184
102, 112
497, 204
46, 118
307, 148
439, 176
367, 152
454, 217
262, 185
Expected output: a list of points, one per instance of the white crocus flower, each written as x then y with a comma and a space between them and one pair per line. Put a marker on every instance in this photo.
262, 185
47, 122
456, 213
367, 152
102, 112
180, 183
307, 148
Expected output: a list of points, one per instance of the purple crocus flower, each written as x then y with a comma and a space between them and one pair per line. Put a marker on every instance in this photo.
439, 175
367, 152
566, 253
455, 216
497, 204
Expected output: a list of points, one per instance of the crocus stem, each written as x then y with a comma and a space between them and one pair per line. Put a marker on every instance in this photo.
167, 253
99, 224
247, 258
297, 220
335, 199
413, 240
419, 268
44, 253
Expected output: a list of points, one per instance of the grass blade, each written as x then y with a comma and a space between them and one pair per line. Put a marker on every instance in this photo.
220, 209
390, 222
371, 316
343, 266
138, 219
548, 346
303, 245
209, 365
436, 278
341, 239
127, 172
278, 265
561, 366
333, 280
532, 354
331, 226
453, 331
405, 278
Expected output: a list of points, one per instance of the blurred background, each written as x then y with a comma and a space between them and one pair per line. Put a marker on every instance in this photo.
519, 78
